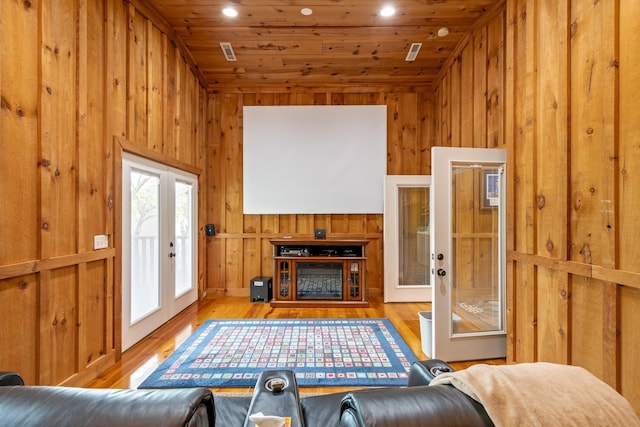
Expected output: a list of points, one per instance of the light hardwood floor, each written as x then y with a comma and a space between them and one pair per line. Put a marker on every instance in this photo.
143, 358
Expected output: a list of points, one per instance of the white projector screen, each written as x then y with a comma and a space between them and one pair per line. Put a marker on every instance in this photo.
328, 159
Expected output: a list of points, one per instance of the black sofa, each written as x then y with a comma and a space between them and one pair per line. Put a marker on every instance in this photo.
414, 405
27, 406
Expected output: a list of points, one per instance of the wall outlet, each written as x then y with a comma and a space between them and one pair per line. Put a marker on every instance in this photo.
100, 241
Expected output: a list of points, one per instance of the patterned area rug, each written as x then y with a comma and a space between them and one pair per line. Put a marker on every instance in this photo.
321, 352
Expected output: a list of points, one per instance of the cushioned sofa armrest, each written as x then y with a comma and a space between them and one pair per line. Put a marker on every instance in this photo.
10, 378
69, 406
419, 406
423, 372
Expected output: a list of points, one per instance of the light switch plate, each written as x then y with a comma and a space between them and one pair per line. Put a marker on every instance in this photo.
100, 241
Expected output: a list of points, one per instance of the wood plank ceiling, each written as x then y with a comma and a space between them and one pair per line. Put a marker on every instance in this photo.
340, 42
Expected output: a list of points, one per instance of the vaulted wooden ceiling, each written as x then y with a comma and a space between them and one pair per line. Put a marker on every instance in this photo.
341, 42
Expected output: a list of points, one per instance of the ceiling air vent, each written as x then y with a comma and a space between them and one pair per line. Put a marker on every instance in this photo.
228, 51
413, 51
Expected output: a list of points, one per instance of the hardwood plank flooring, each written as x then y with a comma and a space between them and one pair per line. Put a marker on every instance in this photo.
142, 359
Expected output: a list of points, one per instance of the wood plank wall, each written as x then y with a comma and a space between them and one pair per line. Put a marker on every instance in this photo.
566, 105
241, 248
74, 74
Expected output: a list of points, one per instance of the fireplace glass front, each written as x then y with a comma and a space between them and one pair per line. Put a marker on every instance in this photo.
319, 280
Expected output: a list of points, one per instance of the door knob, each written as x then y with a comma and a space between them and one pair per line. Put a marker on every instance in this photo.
172, 254
441, 272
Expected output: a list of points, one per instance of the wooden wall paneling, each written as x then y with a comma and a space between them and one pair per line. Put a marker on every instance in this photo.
437, 115
92, 313
19, 335
339, 224
593, 165
155, 90
629, 339
137, 78
456, 102
628, 179
214, 194
628, 199
58, 150
304, 224
374, 251
480, 88
552, 129
524, 294
187, 95
495, 82
511, 22
551, 149
233, 266
115, 72
19, 48
467, 97
553, 328
587, 324
445, 111
57, 349
266, 262
525, 340
93, 156
408, 115
593, 127
201, 148
425, 139
171, 106
231, 139
322, 221
251, 260
394, 139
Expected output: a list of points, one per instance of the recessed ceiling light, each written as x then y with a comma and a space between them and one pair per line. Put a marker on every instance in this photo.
230, 12
443, 32
387, 11
306, 11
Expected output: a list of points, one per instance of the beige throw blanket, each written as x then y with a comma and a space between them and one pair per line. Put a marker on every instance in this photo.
542, 394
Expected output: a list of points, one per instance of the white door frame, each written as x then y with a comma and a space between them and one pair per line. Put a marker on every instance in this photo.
393, 292
170, 304
446, 344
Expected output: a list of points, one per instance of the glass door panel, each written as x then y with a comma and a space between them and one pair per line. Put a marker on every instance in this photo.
413, 229
406, 238
476, 299
183, 253
145, 249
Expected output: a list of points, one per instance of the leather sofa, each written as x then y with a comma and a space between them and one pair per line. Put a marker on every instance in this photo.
322, 410
25, 406
540, 395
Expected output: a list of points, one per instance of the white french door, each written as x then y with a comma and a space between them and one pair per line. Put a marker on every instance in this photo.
468, 258
159, 208
406, 238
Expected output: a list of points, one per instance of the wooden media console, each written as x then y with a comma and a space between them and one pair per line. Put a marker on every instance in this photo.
319, 272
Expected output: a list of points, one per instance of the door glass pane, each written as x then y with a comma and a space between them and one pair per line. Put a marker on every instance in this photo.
413, 232
475, 215
145, 251
183, 238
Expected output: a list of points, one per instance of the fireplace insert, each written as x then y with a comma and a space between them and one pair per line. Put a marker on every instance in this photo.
319, 280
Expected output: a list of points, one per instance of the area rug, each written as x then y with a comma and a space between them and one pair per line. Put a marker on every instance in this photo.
321, 353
